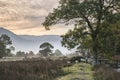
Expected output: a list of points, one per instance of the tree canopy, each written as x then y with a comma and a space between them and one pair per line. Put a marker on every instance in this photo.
20, 54
5, 43
58, 53
46, 49
89, 16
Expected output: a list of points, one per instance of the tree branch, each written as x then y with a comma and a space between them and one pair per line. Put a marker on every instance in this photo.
109, 6
100, 14
88, 22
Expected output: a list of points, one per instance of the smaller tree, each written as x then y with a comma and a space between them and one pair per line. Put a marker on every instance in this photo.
46, 49
31, 53
58, 53
2, 50
9, 51
5, 44
20, 54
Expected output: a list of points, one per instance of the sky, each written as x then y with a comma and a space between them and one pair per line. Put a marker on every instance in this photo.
24, 17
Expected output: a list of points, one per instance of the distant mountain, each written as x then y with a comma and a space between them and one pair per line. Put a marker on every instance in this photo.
31, 43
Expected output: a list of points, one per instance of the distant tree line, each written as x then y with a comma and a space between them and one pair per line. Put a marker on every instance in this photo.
46, 49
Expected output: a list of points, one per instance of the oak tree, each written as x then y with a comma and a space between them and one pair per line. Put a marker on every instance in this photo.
46, 49
91, 15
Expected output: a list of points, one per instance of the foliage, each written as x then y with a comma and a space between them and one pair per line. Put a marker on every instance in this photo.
105, 73
89, 17
57, 53
46, 49
77, 37
5, 48
20, 54
31, 53
108, 40
9, 51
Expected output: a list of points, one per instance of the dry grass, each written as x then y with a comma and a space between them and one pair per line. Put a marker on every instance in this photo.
30, 70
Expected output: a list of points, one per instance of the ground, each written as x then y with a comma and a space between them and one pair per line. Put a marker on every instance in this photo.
79, 71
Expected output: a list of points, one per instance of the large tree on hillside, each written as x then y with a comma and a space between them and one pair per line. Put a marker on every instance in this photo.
46, 49
90, 15
5, 43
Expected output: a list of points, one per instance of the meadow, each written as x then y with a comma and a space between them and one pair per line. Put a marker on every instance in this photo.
43, 69
55, 69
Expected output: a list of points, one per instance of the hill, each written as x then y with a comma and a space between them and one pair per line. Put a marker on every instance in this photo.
31, 43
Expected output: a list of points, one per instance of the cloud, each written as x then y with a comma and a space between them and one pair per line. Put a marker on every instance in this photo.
33, 11
18, 15
55, 30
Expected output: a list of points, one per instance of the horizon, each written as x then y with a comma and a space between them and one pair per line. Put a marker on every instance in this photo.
28, 43
24, 17
30, 34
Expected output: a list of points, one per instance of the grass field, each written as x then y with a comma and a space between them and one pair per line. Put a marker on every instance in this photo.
80, 71
43, 69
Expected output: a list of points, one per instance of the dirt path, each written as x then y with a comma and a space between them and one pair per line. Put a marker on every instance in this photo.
81, 71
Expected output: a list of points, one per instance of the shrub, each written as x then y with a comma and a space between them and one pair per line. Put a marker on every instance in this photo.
105, 73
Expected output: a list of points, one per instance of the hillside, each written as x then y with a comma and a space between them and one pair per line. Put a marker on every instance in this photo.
31, 43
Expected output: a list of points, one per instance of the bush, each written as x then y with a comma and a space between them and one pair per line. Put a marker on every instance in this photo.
105, 73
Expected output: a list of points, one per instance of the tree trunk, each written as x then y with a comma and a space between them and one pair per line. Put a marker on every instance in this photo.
95, 50
95, 54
